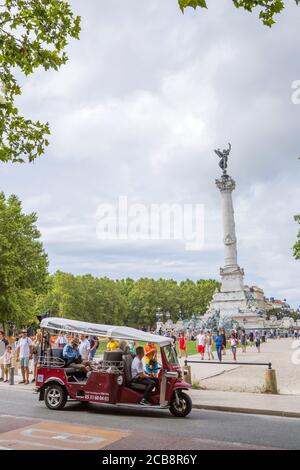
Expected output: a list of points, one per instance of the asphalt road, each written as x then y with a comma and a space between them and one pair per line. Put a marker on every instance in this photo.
150, 429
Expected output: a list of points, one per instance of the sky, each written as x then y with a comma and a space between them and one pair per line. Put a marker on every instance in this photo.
147, 95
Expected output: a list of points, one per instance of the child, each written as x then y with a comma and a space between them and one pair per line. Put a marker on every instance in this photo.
7, 360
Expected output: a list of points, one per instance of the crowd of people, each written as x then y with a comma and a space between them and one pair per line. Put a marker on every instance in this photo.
79, 351
218, 341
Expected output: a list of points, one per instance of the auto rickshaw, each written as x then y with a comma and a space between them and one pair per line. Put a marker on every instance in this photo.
109, 381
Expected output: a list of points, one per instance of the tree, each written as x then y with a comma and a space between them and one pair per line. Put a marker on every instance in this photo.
297, 244
23, 262
33, 33
195, 297
97, 300
268, 8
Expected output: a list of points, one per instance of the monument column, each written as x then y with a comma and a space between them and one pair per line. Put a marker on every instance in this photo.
226, 185
233, 300
232, 275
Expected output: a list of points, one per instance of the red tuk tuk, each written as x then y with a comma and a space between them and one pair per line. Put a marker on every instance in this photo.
109, 381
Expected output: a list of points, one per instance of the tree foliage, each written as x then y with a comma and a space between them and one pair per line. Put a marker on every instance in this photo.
297, 244
23, 262
268, 9
33, 33
125, 302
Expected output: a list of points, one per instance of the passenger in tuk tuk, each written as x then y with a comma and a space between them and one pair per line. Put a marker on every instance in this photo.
151, 359
72, 357
140, 377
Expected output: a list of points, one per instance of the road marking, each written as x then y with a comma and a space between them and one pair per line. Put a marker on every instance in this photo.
54, 435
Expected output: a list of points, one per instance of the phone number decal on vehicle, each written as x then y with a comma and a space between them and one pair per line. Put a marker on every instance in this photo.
97, 397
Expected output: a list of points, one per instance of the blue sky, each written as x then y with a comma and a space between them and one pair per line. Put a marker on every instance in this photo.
146, 96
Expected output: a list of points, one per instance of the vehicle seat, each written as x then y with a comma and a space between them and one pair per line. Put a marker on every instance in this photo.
127, 361
57, 352
113, 356
70, 371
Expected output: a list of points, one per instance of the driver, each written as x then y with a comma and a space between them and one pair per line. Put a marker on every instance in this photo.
140, 377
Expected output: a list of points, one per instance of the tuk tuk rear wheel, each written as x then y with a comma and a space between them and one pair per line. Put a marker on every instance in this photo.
55, 397
183, 408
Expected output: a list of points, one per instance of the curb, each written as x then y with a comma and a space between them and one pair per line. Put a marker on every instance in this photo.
253, 411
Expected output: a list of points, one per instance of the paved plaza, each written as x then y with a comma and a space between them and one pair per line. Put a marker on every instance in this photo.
251, 378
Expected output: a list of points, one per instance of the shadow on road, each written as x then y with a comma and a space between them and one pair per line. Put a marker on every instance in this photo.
118, 410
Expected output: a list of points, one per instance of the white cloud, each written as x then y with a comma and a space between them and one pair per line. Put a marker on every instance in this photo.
147, 95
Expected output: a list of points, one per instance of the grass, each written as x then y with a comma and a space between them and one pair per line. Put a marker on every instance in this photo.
191, 347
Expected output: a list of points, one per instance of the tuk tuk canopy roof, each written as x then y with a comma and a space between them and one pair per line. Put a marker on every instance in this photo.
106, 331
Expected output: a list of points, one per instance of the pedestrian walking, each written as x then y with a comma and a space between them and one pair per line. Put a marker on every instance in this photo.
257, 341
201, 340
24, 354
174, 338
244, 341
36, 353
3, 345
251, 338
6, 359
182, 346
233, 345
208, 345
224, 341
218, 340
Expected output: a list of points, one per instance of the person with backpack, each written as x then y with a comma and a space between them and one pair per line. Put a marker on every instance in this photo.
24, 354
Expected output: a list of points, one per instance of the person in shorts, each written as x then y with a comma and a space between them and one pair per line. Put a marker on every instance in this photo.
24, 354
201, 340
208, 345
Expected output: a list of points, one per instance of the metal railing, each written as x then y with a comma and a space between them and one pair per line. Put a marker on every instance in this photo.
51, 362
268, 364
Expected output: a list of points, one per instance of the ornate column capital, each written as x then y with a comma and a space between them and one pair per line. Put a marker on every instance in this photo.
226, 184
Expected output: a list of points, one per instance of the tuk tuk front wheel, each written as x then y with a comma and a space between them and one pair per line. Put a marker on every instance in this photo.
181, 405
55, 397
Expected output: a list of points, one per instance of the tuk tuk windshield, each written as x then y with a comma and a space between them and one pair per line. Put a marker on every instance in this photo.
171, 354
